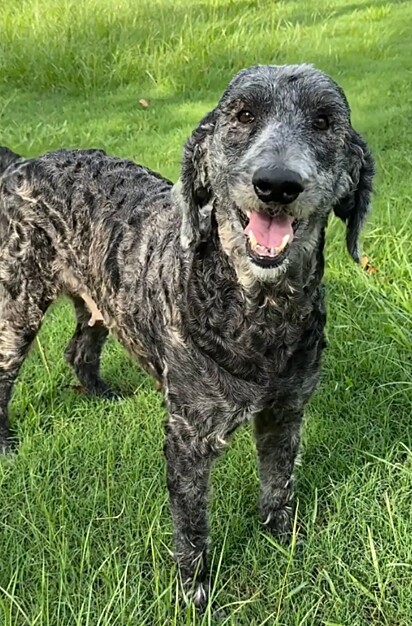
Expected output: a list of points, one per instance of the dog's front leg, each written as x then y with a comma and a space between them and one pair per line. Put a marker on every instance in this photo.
277, 435
189, 459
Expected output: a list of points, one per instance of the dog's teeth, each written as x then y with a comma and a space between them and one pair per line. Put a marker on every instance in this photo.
285, 241
260, 249
265, 251
252, 239
283, 244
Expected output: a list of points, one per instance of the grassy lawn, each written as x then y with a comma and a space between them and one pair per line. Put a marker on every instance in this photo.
84, 522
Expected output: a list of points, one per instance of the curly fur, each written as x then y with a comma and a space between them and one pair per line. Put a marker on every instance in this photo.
169, 271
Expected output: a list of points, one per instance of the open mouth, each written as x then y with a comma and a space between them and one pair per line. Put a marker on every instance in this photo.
268, 238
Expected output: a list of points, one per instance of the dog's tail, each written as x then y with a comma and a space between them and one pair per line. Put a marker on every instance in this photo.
7, 157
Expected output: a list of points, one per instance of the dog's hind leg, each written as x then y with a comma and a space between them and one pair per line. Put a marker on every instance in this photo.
21, 315
85, 349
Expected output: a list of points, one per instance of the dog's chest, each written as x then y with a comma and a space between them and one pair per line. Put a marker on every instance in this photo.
254, 357
264, 346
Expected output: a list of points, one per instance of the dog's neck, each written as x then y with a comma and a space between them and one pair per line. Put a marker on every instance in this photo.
241, 329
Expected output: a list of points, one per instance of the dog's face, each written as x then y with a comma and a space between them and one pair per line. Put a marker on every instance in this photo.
274, 157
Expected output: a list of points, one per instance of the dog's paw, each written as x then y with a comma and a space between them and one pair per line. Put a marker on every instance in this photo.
4, 447
196, 593
279, 522
7, 444
106, 392
98, 389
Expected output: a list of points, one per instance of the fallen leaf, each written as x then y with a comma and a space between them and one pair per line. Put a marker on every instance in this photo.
367, 265
79, 389
144, 103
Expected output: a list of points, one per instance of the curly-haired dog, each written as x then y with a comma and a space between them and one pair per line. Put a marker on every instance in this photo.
213, 283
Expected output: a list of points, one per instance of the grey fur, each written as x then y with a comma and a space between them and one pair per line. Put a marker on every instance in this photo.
228, 339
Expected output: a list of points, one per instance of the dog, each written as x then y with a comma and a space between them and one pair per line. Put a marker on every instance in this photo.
214, 283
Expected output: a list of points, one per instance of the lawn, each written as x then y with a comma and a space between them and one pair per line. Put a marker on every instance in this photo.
85, 531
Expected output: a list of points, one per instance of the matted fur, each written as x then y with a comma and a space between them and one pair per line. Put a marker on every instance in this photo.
168, 268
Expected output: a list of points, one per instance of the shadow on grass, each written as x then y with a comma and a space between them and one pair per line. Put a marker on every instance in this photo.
154, 136
198, 74
132, 46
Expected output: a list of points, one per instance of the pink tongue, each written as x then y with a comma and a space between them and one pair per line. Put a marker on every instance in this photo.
269, 231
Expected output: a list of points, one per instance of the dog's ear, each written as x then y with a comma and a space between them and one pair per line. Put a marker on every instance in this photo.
353, 208
7, 157
193, 191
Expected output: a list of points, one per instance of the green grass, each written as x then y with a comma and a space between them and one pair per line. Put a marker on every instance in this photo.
84, 523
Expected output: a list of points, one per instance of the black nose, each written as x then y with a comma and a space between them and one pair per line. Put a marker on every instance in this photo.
277, 185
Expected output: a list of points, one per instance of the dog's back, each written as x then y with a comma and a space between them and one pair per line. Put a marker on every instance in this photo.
86, 225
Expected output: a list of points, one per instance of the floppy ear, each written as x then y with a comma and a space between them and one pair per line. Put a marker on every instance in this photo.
7, 157
193, 191
353, 208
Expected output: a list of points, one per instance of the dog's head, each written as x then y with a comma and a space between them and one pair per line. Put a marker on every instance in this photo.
272, 159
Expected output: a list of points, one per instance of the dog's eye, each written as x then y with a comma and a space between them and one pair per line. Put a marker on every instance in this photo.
321, 122
245, 117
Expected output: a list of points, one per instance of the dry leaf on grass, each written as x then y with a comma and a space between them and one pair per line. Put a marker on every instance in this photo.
367, 265
144, 103
79, 389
